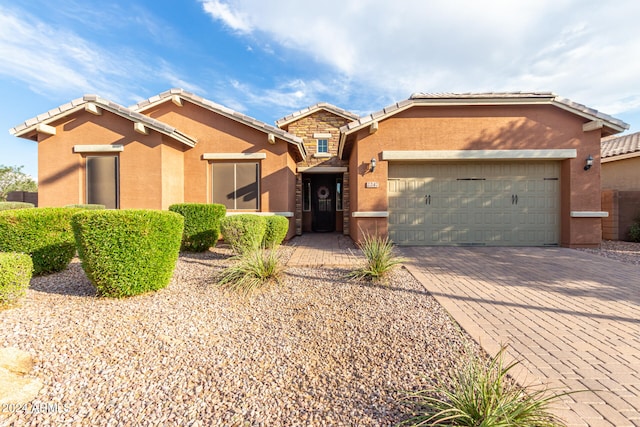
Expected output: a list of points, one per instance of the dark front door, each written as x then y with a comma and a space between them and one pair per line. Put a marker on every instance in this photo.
323, 203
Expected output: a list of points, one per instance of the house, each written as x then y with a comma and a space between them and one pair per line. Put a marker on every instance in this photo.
435, 169
620, 184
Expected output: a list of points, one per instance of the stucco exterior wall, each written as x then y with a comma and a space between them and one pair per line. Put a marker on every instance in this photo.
622, 175
62, 173
485, 128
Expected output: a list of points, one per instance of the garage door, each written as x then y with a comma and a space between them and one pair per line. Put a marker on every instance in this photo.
479, 203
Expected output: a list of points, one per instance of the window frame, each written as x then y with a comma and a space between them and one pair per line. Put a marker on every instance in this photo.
258, 171
117, 178
322, 142
306, 195
339, 195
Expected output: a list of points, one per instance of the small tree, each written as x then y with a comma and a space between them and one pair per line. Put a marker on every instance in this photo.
13, 179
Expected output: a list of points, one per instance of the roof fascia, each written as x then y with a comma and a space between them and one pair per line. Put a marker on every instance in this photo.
286, 121
115, 109
221, 110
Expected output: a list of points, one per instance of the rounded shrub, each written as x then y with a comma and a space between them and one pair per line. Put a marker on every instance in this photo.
201, 224
15, 275
276, 231
5, 206
43, 233
243, 232
128, 252
87, 206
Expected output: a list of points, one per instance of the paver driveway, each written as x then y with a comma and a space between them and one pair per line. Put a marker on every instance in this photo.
571, 317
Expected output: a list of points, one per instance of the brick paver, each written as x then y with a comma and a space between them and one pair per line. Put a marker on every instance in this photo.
324, 249
572, 319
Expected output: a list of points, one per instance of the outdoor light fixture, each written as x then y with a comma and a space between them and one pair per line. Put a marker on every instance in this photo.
589, 163
373, 164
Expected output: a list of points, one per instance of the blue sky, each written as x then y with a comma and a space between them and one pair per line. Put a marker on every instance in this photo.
269, 58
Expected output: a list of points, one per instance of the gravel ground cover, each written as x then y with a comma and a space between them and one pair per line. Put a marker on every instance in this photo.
627, 252
315, 350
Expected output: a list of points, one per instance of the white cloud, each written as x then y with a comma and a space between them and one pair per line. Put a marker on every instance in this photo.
588, 51
54, 61
232, 18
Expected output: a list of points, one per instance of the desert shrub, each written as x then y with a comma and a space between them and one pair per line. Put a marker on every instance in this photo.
128, 252
87, 206
5, 206
243, 232
15, 274
43, 233
276, 230
379, 258
482, 394
252, 270
201, 224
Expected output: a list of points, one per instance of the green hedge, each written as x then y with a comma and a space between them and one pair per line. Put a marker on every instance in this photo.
201, 224
128, 252
87, 206
5, 206
276, 231
243, 232
15, 275
43, 233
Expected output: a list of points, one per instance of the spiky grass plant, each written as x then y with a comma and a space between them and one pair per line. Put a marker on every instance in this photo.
379, 258
483, 395
252, 270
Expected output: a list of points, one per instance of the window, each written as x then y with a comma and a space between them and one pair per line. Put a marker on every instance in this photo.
323, 146
306, 195
338, 194
102, 181
235, 185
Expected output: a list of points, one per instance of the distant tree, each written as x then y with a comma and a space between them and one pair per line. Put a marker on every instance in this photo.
13, 179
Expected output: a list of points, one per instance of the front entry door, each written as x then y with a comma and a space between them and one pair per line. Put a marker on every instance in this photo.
323, 203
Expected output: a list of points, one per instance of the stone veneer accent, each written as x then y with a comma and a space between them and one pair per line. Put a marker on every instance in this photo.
320, 122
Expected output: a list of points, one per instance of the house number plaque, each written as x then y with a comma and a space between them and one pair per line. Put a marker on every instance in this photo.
371, 185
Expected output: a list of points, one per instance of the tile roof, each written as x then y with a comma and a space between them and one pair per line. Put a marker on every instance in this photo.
611, 124
222, 110
620, 145
77, 104
312, 109
487, 98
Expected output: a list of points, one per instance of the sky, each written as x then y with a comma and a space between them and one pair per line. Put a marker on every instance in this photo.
269, 58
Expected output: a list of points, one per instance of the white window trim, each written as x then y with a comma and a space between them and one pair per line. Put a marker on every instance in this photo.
234, 156
98, 148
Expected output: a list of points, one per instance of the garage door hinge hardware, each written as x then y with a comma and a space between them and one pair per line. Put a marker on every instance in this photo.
427, 199
550, 179
514, 199
471, 179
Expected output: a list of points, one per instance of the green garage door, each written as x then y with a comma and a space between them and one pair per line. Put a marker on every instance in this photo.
479, 203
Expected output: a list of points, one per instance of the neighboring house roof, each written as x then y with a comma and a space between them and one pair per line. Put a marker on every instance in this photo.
312, 109
620, 147
30, 127
609, 124
170, 95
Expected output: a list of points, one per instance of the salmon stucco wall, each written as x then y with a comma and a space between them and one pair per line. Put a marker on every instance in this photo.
485, 128
61, 172
218, 134
622, 175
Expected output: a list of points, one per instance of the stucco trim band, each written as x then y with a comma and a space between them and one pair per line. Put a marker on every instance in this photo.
559, 154
323, 169
370, 214
589, 214
98, 148
284, 214
234, 156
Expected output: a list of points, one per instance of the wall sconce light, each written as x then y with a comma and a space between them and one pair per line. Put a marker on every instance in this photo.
373, 164
589, 163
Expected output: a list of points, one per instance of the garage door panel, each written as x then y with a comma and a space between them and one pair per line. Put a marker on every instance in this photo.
467, 203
